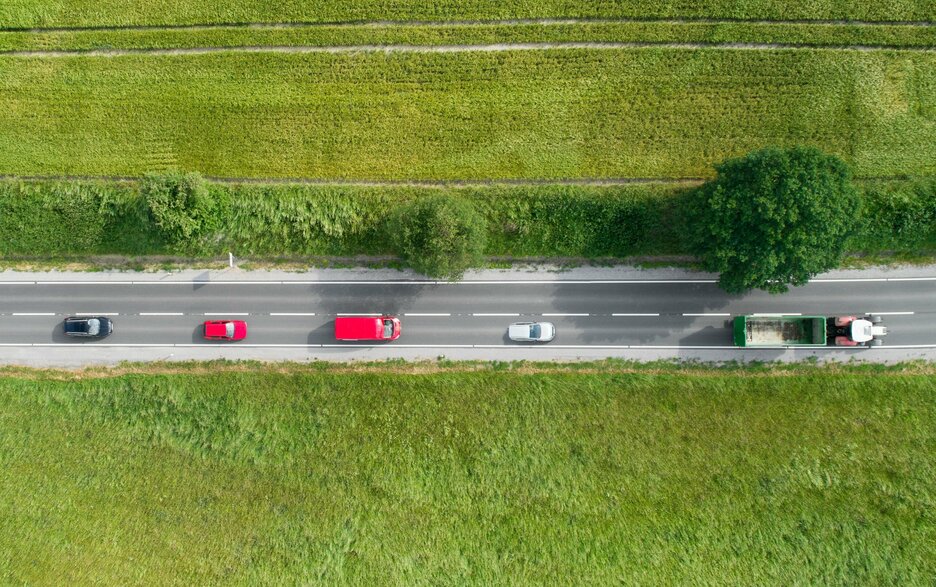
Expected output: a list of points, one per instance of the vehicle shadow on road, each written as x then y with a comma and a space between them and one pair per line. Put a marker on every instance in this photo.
670, 301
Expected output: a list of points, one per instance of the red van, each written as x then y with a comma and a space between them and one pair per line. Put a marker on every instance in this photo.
367, 328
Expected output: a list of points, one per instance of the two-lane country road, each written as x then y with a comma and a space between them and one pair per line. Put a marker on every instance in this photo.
622, 314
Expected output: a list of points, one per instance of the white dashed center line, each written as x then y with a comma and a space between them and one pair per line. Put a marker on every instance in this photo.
494, 315
162, 313
565, 314
623, 315
292, 313
710, 314
227, 314
34, 313
428, 315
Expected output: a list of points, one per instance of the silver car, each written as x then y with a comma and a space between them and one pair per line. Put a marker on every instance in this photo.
531, 331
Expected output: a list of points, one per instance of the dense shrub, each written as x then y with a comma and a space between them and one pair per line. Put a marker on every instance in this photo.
179, 204
775, 218
898, 215
53, 219
440, 235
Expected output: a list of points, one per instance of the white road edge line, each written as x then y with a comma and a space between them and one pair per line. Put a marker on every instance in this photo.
891, 313
292, 313
623, 315
708, 314
162, 313
34, 313
427, 314
227, 313
482, 315
538, 348
560, 315
430, 282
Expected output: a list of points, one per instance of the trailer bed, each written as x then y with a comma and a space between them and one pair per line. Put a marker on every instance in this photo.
754, 331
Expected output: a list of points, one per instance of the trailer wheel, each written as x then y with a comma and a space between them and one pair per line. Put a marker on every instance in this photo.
876, 342
875, 319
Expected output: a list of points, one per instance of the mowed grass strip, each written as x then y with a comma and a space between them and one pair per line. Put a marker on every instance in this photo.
73, 13
514, 114
457, 34
486, 478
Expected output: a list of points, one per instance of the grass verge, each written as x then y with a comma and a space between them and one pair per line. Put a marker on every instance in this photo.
481, 474
550, 114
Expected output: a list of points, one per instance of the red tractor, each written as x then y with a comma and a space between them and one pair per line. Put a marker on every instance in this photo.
855, 331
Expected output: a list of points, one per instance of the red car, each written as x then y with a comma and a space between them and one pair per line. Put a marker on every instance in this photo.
225, 330
367, 328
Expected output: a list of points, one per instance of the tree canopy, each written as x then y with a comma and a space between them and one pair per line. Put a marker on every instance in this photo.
439, 236
774, 218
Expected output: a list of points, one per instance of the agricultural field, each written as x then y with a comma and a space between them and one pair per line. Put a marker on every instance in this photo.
481, 474
546, 114
71, 13
424, 34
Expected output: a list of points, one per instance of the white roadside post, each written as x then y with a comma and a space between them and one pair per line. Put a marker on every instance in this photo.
231, 260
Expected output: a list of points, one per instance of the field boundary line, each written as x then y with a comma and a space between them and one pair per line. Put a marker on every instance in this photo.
467, 23
463, 48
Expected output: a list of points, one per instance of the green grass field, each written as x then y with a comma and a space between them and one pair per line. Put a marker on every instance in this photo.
423, 34
533, 114
592, 474
69, 13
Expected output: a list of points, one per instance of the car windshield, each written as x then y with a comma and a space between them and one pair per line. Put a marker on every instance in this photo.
229, 329
94, 326
387, 328
535, 331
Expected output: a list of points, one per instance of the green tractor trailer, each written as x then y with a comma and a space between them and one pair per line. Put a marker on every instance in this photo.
808, 331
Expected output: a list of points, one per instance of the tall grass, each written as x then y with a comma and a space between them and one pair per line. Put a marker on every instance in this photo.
488, 477
51, 218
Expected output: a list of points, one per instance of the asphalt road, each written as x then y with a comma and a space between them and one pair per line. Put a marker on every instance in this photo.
631, 314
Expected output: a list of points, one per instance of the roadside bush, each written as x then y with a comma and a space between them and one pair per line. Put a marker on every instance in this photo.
179, 204
775, 218
54, 219
898, 215
439, 235
579, 221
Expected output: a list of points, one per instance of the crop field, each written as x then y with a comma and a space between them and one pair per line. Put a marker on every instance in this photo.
590, 474
70, 13
653, 112
422, 34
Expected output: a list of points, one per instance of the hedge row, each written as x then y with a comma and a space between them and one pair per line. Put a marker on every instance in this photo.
87, 218
427, 34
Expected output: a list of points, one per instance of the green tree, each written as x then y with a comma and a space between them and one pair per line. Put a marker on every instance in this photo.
179, 204
774, 218
439, 236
